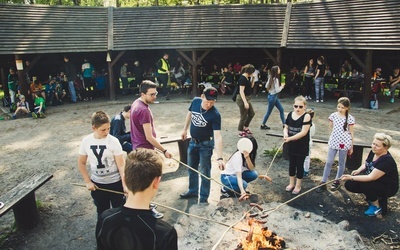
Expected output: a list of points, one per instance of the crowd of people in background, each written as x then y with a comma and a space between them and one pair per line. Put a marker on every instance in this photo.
83, 83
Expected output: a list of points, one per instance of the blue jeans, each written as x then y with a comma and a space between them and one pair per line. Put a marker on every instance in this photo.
319, 88
71, 89
199, 158
232, 182
273, 101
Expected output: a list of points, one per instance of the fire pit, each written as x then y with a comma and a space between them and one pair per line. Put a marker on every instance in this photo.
299, 231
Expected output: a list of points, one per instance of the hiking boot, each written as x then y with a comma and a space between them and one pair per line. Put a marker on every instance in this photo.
373, 210
34, 115
306, 175
264, 127
321, 187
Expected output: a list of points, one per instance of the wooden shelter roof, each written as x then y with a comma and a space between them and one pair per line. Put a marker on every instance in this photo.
337, 24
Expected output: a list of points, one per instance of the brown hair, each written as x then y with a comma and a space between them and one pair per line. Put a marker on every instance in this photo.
345, 102
142, 166
99, 118
146, 85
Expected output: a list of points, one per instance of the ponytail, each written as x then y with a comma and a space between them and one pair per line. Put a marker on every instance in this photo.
345, 125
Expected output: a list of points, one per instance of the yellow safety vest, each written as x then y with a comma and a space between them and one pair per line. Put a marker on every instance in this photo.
164, 66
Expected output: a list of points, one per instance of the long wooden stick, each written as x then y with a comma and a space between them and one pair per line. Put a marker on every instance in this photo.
273, 159
171, 208
208, 178
298, 196
231, 226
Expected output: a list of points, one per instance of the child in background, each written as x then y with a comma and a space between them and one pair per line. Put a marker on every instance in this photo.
296, 134
341, 140
307, 161
239, 171
106, 161
40, 105
22, 108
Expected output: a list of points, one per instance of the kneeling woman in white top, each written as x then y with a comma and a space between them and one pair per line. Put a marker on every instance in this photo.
239, 171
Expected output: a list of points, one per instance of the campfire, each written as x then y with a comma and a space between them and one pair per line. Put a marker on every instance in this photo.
259, 236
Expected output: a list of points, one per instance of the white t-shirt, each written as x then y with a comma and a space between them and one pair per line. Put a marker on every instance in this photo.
100, 153
234, 165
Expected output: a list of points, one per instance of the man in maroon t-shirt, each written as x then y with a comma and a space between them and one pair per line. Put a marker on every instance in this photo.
143, 134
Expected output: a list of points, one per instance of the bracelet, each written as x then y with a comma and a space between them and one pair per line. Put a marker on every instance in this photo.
164, 151
220, 159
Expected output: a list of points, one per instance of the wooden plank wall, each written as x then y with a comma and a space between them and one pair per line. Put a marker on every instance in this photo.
344, 24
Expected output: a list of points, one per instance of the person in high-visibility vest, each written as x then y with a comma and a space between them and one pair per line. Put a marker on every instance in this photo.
163, 70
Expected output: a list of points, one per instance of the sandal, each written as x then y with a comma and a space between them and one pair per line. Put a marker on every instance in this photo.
248, 131
296, 192
289, 188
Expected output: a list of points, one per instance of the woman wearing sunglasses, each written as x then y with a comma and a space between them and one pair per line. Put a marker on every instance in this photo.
296, 134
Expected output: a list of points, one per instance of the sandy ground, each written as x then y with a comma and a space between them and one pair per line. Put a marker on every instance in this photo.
68, 215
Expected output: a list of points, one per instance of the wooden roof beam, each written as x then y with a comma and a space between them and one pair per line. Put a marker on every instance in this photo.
355, 57
274, 59
286, 25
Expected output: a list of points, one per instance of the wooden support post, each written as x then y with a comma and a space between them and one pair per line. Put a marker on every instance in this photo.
194, 74
26, 213
367, 79
270, 56
24, 87
279, 56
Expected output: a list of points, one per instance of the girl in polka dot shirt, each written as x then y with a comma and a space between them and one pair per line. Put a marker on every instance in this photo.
340, 141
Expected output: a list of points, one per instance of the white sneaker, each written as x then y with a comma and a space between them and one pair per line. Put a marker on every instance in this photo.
306, 97
322, 100
317, 101
309, 97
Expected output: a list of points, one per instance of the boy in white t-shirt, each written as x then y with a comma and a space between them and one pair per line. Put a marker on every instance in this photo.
106, 162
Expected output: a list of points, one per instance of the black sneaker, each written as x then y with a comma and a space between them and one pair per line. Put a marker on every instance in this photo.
335, 185
321, 187
226, 194
264, 127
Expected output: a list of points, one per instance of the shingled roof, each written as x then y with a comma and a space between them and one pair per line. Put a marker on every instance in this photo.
338, 24
343, 24
233, 26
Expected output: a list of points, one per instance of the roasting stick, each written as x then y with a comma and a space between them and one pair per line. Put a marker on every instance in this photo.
266, 177
231, 226
171, 208
298, 196
208, 178
101, 189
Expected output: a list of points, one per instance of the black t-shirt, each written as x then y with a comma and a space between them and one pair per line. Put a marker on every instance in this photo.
321, 69
244, 81
228, 77
126, 229
301, 146
203, 122
386, 164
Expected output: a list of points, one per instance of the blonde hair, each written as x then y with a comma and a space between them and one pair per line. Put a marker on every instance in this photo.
300, 98
384, 138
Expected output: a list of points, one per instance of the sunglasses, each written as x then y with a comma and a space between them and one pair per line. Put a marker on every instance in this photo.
298, 106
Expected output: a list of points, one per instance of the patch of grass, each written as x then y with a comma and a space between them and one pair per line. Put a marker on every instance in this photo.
7, 234
272, 152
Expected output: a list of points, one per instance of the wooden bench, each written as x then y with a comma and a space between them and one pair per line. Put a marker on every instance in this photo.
352, 162
182, 145
21, 199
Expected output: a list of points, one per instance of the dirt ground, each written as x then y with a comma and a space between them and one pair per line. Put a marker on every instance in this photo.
68, 216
